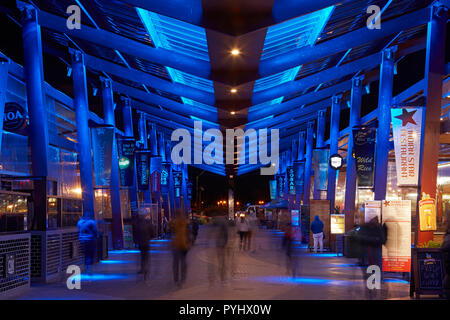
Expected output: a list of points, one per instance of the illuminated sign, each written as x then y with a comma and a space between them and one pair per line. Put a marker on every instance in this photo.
427, 214
336, 161
291, 180
124, 163
14, 117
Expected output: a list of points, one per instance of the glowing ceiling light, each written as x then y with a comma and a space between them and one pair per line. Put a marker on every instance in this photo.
233, 113
235, 52
234, 90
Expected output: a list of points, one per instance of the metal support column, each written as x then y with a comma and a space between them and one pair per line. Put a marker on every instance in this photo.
334, 144
4, 63
308, 162
320, 142
350, 181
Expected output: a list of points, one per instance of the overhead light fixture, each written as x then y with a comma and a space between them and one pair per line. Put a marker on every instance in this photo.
233, 113
235, 52
233, 90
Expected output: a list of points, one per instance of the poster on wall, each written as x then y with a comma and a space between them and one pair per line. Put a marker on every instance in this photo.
337, 223
363, 152
126, 148
427, 214
291, 180
143, 169
299, 173
177, 180
372, 209
407, 129
320, 159
273, 189
102, 144
396, 214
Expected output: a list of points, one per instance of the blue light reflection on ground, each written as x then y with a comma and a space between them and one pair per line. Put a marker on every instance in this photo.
115, 262
134, 251
324, 255
396, 281
301, 280
103, 277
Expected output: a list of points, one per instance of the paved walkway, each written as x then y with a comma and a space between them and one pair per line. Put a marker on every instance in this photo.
260, 273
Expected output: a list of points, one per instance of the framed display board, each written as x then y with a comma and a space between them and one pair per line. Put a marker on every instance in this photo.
320, 208
428, 271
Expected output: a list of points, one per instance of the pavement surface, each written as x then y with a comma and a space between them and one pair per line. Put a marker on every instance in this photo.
258, 273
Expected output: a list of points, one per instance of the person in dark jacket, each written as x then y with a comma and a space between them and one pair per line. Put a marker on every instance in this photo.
317, 230
194, 226
88, 233
144, 232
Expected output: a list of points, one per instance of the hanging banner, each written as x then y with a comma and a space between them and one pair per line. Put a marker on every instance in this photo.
102, 144
189, 190
299, 173
427, 214
372, 209
165, 174
143, 169
407, 129
177, 180
363, 152
320, 159
273, 189
291, 180
126, 148
396, 214
155, 173
280, 185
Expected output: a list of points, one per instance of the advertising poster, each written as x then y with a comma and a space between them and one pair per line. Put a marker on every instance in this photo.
291, 180
372, 209
363, 152
396, 214
320, 159
126, 148
102, 144
299, 173
407, 128
273, 189
143, 169
337, 223
165, 175
155, 174
427, 214
177, 180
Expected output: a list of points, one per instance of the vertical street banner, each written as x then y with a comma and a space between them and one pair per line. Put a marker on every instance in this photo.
189, 190
280, 185
427, 214
102, 144
143, 169
372, 209
155, 174
320, 159
273, 189
407, 130
177, 180
165, 175
363, 152
291, 180
396, 214
126, 152
299, 173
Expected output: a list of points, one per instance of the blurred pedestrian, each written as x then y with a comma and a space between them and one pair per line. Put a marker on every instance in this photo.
88, 233
242, 227
317, 230
252, 224
180, 247
194, 227
446, 251
144, 232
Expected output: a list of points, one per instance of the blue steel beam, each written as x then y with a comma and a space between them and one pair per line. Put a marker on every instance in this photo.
125, 45
308, 163
349, 40
152, 81
3, 89
165, 102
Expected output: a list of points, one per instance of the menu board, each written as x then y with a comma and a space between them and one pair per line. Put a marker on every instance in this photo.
320, 208
428, 271
397, 249
372, 209
337, 223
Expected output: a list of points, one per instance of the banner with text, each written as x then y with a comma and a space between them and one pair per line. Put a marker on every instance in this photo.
280, 185
102, 144
407, 130
363, 152
291, 180
155, 173
126, 151
177, 181
320, 159
273, 189
165, 175
396, 214
299, 173
143, 169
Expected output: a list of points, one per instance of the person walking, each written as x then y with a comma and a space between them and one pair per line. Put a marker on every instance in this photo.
243, 227
180, 247
88, 233
317, 230
194, 226
144, 232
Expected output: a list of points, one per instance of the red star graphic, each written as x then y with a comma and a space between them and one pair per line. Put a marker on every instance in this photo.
407, 117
